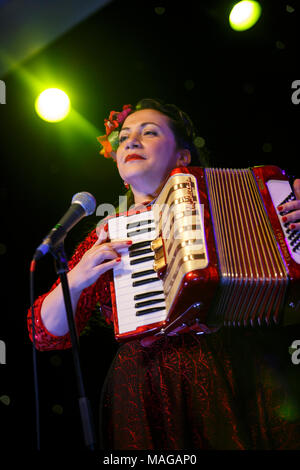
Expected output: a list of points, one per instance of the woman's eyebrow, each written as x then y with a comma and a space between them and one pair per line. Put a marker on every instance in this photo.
142, 125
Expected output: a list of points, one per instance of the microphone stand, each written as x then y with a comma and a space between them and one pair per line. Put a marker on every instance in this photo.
85, 410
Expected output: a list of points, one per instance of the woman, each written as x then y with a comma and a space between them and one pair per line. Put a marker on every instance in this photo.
225, 390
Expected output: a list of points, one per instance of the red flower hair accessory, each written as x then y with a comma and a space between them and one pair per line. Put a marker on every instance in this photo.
110, 141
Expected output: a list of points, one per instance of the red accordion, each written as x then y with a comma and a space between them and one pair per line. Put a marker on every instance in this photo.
211, 251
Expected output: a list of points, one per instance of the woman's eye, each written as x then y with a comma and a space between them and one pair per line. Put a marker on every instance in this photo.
150, 132
124, 137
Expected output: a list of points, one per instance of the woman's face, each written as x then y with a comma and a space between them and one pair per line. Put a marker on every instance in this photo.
147, 151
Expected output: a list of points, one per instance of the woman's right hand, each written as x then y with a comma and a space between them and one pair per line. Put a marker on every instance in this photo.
101, 257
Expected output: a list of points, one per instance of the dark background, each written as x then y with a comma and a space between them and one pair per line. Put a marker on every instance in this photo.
236, 87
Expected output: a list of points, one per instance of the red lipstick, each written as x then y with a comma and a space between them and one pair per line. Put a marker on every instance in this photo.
133, 156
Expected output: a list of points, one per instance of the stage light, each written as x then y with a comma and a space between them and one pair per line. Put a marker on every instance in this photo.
52, 105
244, 15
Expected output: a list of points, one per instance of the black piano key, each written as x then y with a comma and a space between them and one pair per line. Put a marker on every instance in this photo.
144, 281
148, 302
146, 295
290, 197
292, 236
141, 260
139, 223
149, 310
143, 273
139, 232
296, 248
133, 254
137, 245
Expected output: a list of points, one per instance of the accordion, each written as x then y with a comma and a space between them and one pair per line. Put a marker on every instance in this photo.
211, 251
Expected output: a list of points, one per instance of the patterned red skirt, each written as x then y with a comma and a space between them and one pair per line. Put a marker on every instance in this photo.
228, 390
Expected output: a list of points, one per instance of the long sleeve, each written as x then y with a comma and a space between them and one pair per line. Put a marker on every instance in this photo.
98, 294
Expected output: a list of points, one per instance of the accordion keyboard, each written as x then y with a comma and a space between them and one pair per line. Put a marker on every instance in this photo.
139, 291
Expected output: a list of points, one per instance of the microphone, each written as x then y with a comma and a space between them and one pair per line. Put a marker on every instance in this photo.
83, 204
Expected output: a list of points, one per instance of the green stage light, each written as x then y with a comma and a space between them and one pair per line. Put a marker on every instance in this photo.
244, 15
52, 105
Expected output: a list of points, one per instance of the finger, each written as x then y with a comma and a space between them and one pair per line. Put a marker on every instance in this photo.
113, 244
289, 206
296, 187
294, 226
102, 232
103, 267
120, 244
291, 217
103, 255
108, 250
117, 245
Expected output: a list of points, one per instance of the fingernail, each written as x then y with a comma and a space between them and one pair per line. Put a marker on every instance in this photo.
292, 226
280, 208
129, 242
118, 260
284, 218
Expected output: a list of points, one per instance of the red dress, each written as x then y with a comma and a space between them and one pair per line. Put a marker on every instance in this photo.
234, 389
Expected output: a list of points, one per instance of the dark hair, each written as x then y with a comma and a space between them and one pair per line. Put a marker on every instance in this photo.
181, 125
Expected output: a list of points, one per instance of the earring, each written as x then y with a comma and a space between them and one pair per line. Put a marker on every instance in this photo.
126, 185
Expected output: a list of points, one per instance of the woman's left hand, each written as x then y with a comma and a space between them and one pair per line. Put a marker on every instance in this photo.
291, 209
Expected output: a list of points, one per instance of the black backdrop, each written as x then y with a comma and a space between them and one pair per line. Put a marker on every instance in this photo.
237, 87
